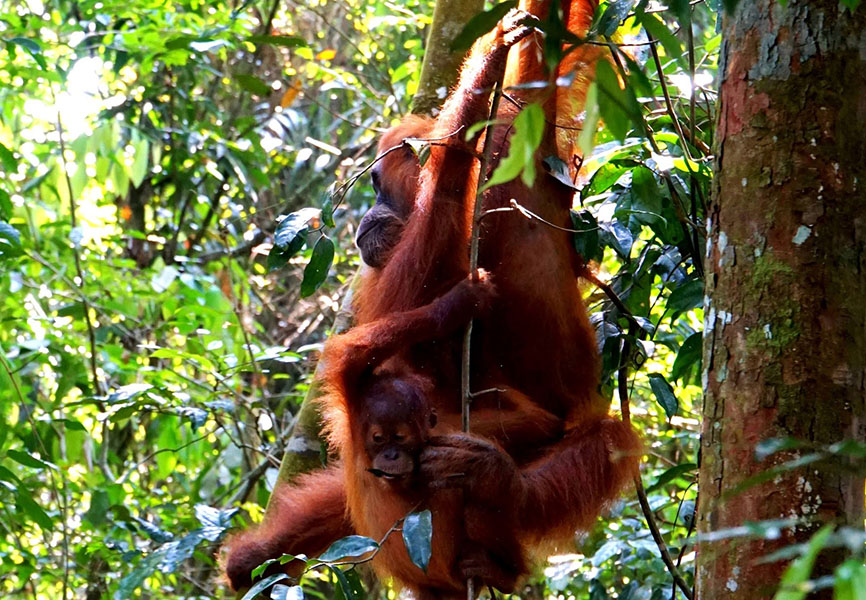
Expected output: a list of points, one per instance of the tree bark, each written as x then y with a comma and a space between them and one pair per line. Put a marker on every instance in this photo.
785, 316
441, 66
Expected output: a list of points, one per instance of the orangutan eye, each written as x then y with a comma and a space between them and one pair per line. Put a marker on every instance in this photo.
399, 438
378, 438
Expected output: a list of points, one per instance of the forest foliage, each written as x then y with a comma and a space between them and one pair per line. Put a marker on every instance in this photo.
176, 228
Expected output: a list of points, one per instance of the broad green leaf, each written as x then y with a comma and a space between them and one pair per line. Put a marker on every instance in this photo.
10, 241
664, 394
32, 47
139, 168
253, 84
290, 235
154, 532
615, 12
792, 586
348, 584
5, 205
286, 41
161, 281
528, 130
28, 505
10, 163
418, 537
100, 502
671, 474
557, 169
351, 546
689, 354
261, 586
586, 139
133, 580
658, 30
618, 106
586, 235
28, 460
603, 179
617, 236
687, 296
128, 392
317, 269
850, 581
480, 24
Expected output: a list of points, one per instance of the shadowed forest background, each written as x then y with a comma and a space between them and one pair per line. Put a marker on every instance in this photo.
180, 184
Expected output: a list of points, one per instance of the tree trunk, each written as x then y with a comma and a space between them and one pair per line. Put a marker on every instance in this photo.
785, 312
441, 66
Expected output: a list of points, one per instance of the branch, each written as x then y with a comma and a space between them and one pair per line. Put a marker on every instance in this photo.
622, 387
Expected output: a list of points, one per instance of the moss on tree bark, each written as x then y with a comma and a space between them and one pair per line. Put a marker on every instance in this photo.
785, 317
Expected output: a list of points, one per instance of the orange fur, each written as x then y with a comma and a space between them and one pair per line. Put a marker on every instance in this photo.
543, 447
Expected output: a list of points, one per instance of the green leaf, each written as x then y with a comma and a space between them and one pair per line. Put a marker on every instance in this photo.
286, 41
557, 169
617, 105
586, 139
418, 537
328, 211
34, 511
317, 269
348, 585
10, 241
658, 30
689, 354
136, 577
289, 236
671, 474
32, 47
349, 547
128, 392
7, 475
5, 205
253, 84
664, 394
10, 163
614, 14
617, 236
687, 296
27, 44
100, 502
479, 25
850, 581
792, 586
261, 586
28, 460
603, 179
586, 236
180, 42
139, 168
528, 130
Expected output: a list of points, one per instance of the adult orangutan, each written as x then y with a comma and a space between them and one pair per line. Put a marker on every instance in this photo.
542, 445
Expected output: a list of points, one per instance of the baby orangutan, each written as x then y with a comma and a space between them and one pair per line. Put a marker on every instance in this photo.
395, 419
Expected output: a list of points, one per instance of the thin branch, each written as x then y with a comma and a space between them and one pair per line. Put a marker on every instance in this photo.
682, 217
622, 387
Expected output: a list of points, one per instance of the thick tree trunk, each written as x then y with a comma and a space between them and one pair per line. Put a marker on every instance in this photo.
785, 316
441, 66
